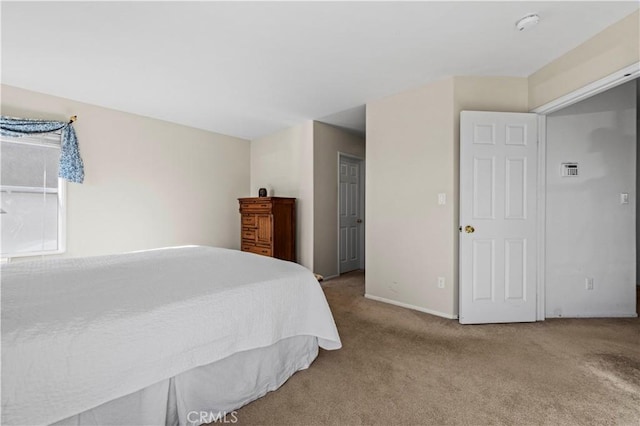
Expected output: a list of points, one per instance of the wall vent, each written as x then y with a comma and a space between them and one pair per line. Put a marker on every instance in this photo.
569, 169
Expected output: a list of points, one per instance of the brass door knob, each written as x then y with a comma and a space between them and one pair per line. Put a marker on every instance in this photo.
469, 229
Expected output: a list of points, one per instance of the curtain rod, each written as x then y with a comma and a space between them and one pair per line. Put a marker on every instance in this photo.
73, 118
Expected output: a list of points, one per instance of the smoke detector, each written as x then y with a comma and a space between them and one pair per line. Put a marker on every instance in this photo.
527, 22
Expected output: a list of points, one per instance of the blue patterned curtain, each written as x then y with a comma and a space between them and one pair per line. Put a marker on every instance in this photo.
71, 166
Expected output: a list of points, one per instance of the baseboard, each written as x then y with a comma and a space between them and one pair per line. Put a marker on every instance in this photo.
408, 306
330, 277
596, 315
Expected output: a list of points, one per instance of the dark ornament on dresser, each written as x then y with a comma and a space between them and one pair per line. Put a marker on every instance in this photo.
262, 192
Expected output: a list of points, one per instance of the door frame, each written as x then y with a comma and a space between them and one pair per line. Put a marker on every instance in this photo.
610, 81
541, 225
361, 201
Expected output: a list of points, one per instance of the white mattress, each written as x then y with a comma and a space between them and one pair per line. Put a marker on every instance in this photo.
77, 333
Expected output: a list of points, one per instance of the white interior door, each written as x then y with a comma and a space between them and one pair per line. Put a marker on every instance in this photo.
350, 215
498, 172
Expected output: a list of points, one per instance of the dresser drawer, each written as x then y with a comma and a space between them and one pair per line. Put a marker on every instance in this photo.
255, 207
248, 220
248, 234
265, 251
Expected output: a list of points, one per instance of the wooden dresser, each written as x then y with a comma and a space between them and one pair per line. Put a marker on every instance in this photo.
268, 226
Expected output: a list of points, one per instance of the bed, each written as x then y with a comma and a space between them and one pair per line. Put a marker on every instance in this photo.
169, 336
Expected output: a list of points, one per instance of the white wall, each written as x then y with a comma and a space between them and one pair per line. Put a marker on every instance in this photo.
283, 162
589, 233
148, 183
327, 142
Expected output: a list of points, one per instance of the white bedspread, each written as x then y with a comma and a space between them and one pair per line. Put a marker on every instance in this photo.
80, 332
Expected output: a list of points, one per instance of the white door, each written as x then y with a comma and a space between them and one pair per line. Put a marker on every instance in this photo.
498, 171
350, 215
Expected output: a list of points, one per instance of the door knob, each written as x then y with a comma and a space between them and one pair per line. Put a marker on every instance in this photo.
358, 220
469, 229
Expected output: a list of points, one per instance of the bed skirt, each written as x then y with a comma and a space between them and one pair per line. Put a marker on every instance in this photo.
208, 393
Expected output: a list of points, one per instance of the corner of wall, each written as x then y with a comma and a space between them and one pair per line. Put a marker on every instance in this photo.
284, 160
612, 49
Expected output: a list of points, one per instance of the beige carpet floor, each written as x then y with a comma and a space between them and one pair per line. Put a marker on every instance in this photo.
399, 366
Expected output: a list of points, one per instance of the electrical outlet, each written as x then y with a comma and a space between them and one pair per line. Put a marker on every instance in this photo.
393, 287
440, 282
588, 283
442, 198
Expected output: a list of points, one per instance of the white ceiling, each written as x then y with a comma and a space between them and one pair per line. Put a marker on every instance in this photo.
248, 69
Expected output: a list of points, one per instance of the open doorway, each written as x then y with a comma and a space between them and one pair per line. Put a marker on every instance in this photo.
591, 176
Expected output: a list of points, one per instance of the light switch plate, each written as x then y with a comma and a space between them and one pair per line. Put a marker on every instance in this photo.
588, 283
624, 198
442, 199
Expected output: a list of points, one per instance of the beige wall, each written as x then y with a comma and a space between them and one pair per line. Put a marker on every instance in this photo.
148, 183
410, 159
412, 155
283, 162
327, 142
607, 52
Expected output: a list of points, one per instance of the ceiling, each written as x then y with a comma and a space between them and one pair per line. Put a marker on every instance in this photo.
248, 69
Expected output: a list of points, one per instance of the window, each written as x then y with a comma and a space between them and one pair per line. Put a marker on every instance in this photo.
33, 197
